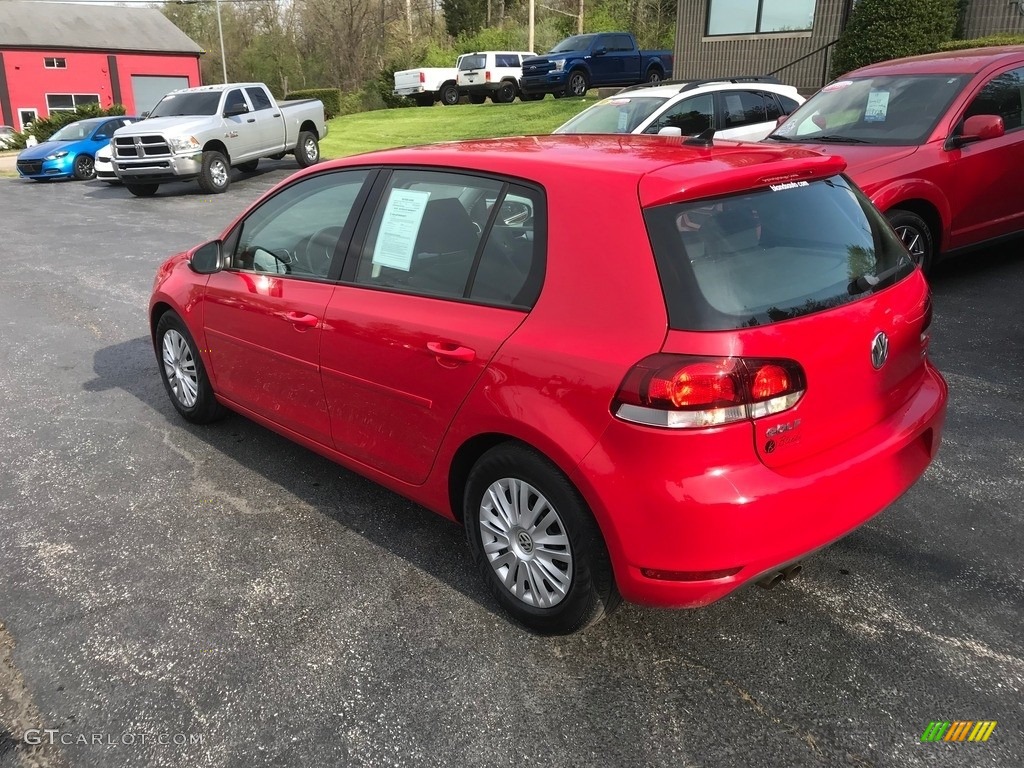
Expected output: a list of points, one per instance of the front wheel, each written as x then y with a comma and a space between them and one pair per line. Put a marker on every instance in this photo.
183, 373
916, 236
577, 85
505, 94
536, 543
84, 168
307, 149
141, 190
215, 175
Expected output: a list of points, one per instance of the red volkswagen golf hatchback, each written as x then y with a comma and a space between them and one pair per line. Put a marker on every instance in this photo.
627, 365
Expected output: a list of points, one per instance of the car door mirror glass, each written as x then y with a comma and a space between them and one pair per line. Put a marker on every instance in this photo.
234, 110
670, 130
600, 51
207, 259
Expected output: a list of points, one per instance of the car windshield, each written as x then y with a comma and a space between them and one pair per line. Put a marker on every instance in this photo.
787, 251
619, 114
888, 110
180, 104
574, 43
76, 131
473, 61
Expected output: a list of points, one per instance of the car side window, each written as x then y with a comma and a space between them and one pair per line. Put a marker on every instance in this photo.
691, 116
235, 100
621, 43
772, 107
297, 232
743, 108
506, 60
455, 236
789, 106
1001, 96
259, 98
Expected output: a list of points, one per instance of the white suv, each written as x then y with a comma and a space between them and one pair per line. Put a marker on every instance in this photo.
492, 73
741, 108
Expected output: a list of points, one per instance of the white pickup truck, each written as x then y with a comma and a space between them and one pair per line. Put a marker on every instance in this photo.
202, 133
429, 84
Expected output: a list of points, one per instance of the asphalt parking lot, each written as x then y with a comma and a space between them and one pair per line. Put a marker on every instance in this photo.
174, 595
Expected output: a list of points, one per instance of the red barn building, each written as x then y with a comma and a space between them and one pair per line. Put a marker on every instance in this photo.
56, 56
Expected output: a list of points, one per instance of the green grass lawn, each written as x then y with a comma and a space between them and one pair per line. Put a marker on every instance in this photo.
385, 128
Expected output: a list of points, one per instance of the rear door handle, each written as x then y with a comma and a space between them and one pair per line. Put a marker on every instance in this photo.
250, 120
302, 319
277, 114
452, 351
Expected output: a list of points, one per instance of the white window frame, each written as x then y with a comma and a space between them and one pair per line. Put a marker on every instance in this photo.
58, 62
35, 116
77, 100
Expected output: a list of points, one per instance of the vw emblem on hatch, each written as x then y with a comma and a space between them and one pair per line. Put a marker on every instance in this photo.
879, 350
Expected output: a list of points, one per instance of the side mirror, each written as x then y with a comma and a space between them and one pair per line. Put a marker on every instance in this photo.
207, 259
600, 51
144, 115
780, 120
981, 127
670, 130
235, 109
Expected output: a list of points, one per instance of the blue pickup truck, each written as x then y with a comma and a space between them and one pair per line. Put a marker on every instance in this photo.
592, 61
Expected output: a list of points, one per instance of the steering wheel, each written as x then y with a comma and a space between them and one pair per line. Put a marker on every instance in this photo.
316, 252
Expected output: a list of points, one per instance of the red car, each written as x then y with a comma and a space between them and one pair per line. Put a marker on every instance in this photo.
629, 365
935, 141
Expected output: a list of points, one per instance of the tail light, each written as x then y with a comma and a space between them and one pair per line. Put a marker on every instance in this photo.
684, 392
487, 76
423, 77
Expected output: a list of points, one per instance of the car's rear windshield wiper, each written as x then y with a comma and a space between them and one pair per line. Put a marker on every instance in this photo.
866, 283
839, 139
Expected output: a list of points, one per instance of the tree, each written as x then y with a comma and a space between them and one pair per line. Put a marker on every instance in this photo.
882, 29
464, 16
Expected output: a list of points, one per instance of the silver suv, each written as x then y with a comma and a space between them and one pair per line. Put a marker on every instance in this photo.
493, 74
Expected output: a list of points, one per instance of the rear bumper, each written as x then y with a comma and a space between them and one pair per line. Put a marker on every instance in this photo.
480, 89
674, 504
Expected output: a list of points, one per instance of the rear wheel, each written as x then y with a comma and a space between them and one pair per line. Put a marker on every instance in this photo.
916, 236
449, 94
307, 149
536, 543
654, 76
142, 190
85, 168
183, 373
577, 85
249, 166
215, 175
477, 99
505, 94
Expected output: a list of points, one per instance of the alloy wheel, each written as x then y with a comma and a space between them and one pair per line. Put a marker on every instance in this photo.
913, 240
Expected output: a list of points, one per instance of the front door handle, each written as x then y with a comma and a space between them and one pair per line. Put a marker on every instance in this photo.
250, 120
451, 351
303, 320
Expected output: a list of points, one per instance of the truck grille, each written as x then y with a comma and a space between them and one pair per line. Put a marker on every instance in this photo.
128, 147
30, 167
532, 69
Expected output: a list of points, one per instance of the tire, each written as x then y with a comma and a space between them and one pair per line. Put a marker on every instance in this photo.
183, 373
477, 99
654, 75
307, 149
571, 586
424, 99
142, 190
84, 168
449, 94
215, 175
505, 94
915, 235
577, 84
249, 166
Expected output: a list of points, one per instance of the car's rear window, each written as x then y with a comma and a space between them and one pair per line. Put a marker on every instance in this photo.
618, 114
467, 63
772, 255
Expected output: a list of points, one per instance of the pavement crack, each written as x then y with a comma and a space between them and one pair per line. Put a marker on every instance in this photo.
805, 736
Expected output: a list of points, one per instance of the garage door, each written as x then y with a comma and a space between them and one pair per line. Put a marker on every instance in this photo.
147, 90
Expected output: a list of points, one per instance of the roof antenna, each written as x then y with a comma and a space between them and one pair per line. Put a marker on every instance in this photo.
703, 139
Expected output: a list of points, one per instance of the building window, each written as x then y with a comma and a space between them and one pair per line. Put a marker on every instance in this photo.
52, 63
752, 17
66, 102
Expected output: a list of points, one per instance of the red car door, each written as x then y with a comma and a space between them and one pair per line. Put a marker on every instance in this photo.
264, 314
430, 301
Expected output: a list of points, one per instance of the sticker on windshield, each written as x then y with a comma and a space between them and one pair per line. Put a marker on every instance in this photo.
399, 228
877, 107
788, 185
838, 85
622, 126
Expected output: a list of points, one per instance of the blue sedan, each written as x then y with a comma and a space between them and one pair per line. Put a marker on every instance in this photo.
70, 151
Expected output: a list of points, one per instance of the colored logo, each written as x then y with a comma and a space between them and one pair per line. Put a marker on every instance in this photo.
959, 730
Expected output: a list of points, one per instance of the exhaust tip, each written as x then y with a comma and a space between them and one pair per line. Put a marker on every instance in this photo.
792, 571
769, 581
